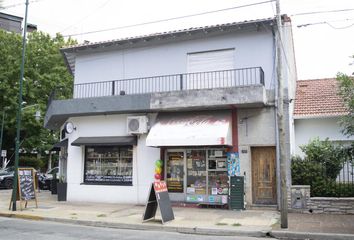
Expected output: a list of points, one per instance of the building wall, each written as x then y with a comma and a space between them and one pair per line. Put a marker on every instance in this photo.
307, 129
252, 49
256, 128
10, 23
143, 163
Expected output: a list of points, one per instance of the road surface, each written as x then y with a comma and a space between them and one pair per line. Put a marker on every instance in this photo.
19, 229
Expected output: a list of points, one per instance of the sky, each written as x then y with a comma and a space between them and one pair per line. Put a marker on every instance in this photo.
322, 48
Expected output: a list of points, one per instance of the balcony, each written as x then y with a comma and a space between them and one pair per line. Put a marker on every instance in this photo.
170, 83
189, 91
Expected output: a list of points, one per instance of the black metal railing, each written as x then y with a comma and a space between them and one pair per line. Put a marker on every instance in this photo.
175, 82
327, 179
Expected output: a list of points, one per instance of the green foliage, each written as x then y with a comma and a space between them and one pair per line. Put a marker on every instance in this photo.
28, 161
45, 71
320, 168
326, 154
346, 91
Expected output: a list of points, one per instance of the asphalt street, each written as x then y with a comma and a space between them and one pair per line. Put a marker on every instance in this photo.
19, 229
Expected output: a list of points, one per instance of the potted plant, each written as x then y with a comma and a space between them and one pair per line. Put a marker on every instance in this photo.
53, 184
61, 188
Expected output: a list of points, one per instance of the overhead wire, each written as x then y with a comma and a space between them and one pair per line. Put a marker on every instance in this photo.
168, 19
325, 11
18, 4
281, 43
329, 23
87, 16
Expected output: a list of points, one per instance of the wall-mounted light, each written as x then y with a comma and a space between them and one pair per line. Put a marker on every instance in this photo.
69, 127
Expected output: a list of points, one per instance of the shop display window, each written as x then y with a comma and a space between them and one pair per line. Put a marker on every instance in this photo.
108, 165
218, 183
196, 170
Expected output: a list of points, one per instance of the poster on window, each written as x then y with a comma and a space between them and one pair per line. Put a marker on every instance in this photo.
233, 164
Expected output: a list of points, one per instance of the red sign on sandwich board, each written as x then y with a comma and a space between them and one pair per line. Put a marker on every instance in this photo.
160, 186
158, 198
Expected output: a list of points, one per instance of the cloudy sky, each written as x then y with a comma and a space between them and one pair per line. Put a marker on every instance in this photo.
323, 46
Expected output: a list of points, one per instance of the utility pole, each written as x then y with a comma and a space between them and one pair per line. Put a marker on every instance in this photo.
19, 113
281, 126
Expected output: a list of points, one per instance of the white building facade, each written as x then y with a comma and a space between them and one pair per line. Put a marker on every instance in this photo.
194, 99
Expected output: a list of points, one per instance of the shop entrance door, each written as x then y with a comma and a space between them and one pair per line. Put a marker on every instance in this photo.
175, 171
263, 175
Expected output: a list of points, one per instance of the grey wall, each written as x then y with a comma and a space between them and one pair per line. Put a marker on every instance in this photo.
252, 49
10, 25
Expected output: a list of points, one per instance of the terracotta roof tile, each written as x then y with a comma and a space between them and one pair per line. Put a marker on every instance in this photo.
318, 98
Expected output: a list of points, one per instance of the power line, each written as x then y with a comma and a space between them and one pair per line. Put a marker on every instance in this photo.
328, 23
320, 12
18, 4
281, 43
337, 28
88, 15
168, 19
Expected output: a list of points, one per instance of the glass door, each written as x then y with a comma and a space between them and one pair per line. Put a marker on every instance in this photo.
196, 172
175, 171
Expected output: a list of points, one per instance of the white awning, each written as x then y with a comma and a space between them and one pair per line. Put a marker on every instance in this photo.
207, 128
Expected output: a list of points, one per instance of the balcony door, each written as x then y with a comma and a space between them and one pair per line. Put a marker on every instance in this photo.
202, 66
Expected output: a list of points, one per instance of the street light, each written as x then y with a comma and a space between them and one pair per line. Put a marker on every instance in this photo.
37, 115
18, 116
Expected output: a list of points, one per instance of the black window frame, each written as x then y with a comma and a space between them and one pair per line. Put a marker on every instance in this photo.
113, 183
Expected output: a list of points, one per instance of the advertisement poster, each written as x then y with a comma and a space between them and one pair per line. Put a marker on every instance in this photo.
233, 164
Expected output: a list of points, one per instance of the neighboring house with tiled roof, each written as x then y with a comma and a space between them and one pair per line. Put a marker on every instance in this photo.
317, 112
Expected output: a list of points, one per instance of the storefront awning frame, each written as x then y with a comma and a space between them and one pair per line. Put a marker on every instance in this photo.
204, 128
58, 145
105, 141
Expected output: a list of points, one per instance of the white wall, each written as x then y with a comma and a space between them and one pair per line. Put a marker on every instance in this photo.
307, 129
252, 49
143, 163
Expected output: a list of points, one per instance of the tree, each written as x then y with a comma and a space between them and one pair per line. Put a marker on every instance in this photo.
346, 91
45, 71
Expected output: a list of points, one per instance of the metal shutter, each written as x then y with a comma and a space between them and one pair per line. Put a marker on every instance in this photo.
211, 61
206, 69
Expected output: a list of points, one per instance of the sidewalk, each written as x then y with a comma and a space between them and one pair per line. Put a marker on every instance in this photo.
256, 223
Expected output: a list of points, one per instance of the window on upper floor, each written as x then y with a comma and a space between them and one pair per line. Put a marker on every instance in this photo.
210, 69
211, 61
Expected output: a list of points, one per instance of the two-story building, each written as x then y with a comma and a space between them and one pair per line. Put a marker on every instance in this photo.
189, 98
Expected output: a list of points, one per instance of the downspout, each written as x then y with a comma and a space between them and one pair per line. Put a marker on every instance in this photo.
277, 143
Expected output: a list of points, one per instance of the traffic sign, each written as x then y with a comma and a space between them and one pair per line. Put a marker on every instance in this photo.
3, 153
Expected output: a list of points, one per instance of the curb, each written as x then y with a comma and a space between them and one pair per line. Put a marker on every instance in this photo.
146, 227
310, 235
21, 216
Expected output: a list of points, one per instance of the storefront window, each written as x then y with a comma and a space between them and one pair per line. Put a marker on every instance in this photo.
108, 165
175, 172
218, 183
196, 170
217, 175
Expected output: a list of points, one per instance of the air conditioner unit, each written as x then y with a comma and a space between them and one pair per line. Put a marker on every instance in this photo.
137, 124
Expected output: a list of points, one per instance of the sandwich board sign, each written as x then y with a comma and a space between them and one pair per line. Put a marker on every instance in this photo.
26, 186
158, 198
